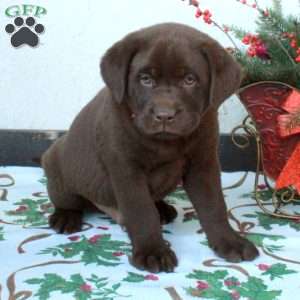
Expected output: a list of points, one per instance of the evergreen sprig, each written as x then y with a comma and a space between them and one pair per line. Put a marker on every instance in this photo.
274, 30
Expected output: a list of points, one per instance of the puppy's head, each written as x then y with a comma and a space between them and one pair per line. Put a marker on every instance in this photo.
169, 75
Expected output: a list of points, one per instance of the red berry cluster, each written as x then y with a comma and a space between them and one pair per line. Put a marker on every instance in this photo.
293, 44
226, 28
248, 4
256, 46
202, 285
266, 13
194, 2
264, 267
206, 15
86, 288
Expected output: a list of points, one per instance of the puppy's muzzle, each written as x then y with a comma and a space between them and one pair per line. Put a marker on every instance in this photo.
165, 116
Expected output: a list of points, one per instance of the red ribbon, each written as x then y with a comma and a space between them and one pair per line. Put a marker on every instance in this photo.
290, 174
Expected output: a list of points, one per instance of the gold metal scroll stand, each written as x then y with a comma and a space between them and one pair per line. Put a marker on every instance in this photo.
280, 198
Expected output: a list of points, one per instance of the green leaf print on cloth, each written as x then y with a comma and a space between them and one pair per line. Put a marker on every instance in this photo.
134, 277
31, 212
99, 249
91, 288
264, 195
259, 240
267, 221
219, 286
1, 234
40, 264
43, 180
255, 289
178, 195
275, 271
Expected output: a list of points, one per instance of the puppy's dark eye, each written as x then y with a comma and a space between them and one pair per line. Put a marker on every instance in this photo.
147, 80
189, 80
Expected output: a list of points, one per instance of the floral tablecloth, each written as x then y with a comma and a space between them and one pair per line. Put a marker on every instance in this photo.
36, 263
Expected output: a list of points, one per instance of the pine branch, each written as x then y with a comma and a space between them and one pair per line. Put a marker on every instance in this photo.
277, 7
285, 51
238, 32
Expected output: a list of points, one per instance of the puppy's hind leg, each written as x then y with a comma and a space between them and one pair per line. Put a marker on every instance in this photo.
167, 212
68, 213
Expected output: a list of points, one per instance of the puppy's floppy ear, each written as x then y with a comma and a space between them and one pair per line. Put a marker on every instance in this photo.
225, 72
115, 66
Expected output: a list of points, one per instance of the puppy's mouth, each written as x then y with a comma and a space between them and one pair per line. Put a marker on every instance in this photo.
165, 135
175, 131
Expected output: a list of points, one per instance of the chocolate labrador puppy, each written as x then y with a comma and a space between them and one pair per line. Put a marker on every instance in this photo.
153, 125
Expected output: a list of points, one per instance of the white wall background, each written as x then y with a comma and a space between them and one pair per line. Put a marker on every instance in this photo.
45, 87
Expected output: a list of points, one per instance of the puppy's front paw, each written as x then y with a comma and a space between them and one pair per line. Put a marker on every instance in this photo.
155, 259
235, 249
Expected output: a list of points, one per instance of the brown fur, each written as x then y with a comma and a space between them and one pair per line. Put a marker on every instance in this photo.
154, 124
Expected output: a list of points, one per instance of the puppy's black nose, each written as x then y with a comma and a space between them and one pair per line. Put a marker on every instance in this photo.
165, 116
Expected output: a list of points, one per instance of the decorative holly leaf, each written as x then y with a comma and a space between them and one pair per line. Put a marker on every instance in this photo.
267, 221
116, 286
91, 288
255, 289
231, 282
204, 243
259, 238
251, 216
209, 294
49, 284
134, 277
213, 279
209, 285
278, 270
34, 280
208, 276
190, 215
264, 195
32, 212
1, 234
178, 195
43, 180
98, 249
109, 219
216, 285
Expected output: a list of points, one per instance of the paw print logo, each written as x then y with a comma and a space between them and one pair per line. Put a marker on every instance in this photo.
24, 32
